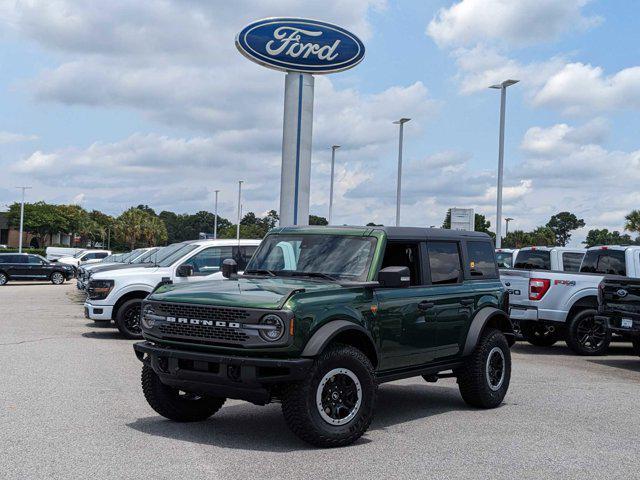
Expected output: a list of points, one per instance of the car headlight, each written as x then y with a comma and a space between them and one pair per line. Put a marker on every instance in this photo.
148, 316
100, 289
276, 328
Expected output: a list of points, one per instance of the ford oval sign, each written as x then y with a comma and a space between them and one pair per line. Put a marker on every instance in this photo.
300, 45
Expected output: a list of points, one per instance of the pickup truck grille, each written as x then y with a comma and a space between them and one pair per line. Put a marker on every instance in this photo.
204, 333
200, 312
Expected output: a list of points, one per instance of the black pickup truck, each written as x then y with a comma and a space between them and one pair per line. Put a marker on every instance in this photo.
619, 305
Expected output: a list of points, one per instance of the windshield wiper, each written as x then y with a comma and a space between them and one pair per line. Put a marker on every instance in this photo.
325, 276
260, 271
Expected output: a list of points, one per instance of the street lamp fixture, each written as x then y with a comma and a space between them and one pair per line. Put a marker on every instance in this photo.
333, 162
503, 99
400, 122
506, 230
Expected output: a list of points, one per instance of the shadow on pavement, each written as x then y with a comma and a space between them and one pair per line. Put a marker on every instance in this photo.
632, 365
104, 334
250, 427
560, 348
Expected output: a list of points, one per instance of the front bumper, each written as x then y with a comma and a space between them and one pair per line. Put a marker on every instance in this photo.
243, 378
97, 312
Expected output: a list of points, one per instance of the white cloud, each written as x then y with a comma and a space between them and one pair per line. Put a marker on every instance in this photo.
9, 137
578, 88
518, 22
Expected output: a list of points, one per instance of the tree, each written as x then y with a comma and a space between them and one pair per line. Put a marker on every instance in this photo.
371, 224
315, 220
605, 237
632, 223
131, 226
561, 224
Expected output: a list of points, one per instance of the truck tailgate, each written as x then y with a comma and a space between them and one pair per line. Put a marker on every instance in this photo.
517, 284
621, 295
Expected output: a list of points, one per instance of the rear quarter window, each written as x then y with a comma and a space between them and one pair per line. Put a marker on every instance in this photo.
482, 262
533, 260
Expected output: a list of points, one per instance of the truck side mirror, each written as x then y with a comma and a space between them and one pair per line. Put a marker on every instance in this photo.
185, 270
229, 267
394, 277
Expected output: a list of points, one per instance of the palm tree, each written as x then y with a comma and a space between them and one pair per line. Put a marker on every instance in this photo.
632, 223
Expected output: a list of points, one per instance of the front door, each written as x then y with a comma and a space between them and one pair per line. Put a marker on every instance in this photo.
405, 315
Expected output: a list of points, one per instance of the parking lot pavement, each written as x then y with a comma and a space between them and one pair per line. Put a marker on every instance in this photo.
71, 407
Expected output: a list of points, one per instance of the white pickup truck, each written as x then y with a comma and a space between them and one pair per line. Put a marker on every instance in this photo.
549, 305
117, 294
560, 259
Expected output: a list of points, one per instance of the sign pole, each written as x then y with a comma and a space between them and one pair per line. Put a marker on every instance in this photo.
295, 179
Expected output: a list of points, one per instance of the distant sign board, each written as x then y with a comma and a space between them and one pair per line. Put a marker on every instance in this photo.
300, 45
463, 219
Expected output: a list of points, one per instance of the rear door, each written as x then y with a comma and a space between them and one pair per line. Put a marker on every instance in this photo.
19, 268
36, 267
452, 299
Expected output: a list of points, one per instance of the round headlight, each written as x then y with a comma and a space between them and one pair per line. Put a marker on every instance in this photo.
277, 328
148, 322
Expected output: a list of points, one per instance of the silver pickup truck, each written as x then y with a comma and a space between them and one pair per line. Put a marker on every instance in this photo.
547, 305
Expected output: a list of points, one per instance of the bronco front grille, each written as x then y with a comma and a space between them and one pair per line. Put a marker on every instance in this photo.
204, 332
200, 312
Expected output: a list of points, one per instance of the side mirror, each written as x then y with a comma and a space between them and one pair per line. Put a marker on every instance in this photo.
184, 270
229, 267
394, 277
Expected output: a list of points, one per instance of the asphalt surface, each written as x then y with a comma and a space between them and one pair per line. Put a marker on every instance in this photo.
71, 407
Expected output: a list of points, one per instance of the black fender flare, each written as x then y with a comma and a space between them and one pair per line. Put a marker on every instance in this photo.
323, 336
478, 324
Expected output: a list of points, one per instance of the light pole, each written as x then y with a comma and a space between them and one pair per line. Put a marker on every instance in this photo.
21, 218
333, 163
503, 98
506, 229
215, 219
400, 122
239, 209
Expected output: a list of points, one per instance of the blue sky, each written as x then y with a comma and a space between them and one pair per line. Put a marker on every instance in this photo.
149, 102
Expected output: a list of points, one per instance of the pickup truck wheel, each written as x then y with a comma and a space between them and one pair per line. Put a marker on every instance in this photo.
57, 278
333, 406
128, 318
3, 278
484, 380
538, 334
586, 335
175, 404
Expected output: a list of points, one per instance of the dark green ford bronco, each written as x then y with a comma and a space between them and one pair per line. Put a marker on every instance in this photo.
320, 317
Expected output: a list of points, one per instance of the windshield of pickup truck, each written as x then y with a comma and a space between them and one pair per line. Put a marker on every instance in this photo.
147, 256
329, 256
533, 260
134, 254
176, 252
607, 262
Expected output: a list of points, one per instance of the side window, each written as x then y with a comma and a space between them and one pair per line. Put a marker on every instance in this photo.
101, 255
243, 255
209, 260
612, 263
33, 260
87, 256
20, 259
444, 262
5, 259
571, 261
482, 262
402, 254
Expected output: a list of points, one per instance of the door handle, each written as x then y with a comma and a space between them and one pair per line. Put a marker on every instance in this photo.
467, 301
424, 305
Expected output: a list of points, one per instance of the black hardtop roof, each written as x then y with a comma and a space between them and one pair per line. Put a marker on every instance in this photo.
393, 233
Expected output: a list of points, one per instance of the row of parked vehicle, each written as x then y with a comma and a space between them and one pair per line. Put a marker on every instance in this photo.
582, 296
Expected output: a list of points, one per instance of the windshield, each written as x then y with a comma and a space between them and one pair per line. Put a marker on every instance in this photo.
504, 259
335, 256
78, 254
135, 254
146, 257
533, 260
126, 256
177, 251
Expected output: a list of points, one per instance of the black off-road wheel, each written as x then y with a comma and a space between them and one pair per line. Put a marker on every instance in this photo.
57, 278
586, 335
538, 334
128, 318
4, 278
175, 404
333, 406
484, 380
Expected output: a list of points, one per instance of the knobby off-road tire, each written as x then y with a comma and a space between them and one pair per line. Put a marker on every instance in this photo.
175, 405
586, 335
128, 318
333, 406
484, 380
538, 334
57, 278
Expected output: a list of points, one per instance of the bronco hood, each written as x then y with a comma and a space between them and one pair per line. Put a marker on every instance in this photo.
241, 292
